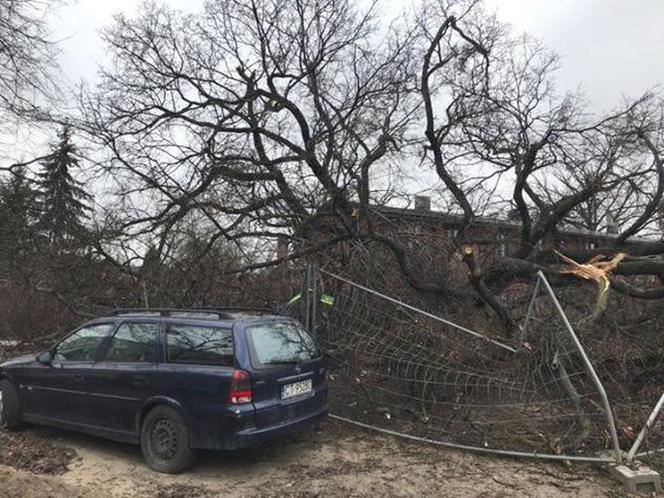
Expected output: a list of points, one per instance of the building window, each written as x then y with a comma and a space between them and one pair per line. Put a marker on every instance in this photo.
590, 245
501, 248
414, 234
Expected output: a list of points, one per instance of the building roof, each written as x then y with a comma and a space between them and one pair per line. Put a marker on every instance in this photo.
451, 220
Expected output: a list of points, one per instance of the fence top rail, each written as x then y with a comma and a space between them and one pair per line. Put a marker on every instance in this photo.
461, 328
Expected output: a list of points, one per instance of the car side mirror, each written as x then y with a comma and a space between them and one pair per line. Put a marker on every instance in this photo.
45, 358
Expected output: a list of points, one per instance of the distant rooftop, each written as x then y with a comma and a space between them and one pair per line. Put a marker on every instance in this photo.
422, 211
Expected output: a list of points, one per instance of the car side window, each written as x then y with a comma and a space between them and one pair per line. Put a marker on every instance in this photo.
83, 344
199, 345
134, 342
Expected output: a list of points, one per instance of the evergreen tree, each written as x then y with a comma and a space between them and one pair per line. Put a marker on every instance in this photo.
62, 200
17, 214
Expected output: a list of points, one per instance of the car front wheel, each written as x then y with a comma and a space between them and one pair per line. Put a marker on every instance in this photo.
10, 414
165, 441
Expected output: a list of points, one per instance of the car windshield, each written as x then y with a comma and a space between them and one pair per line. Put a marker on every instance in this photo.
277, 343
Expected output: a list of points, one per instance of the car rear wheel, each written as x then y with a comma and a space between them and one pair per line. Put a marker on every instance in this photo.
165, 441
10, 413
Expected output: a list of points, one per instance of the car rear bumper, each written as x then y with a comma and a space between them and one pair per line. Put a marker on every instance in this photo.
254, 436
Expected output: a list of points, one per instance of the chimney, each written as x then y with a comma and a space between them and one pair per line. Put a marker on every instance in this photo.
422, 203
611, 225
513, 215
282, 248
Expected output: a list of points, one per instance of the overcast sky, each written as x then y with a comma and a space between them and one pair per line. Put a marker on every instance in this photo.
610, 48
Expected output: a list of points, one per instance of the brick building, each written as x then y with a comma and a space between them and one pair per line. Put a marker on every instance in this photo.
423, 230
492, 237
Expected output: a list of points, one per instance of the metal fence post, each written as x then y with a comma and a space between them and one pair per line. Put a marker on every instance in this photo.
314, 302
310, 299
531, 306
589, 366
307, 298
649, 423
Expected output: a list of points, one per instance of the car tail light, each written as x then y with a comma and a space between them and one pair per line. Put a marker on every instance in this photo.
240, 392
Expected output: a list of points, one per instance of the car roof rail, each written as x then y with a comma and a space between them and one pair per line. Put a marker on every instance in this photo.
248, 309
221, 312
168, 311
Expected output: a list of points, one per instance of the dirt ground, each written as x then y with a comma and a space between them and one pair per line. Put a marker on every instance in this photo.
335, 460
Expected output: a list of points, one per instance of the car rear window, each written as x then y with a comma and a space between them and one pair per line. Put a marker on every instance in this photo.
278, 343
198, 345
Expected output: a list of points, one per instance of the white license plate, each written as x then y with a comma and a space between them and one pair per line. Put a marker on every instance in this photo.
296, 389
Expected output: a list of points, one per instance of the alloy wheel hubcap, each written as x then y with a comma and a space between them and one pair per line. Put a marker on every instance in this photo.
163, 439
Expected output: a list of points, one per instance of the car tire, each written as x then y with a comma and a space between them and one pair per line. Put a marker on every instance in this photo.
165, 441
10, 410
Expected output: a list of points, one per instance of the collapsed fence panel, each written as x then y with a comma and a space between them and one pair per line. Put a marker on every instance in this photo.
405, 370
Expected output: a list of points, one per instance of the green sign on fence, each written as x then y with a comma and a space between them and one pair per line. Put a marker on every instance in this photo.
327, 299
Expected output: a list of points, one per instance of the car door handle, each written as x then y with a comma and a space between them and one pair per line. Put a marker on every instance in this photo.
79, 378
139, 381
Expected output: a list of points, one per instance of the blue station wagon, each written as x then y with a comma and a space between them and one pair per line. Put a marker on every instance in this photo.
172, 381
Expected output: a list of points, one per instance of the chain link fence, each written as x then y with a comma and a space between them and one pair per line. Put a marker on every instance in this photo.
404, 370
